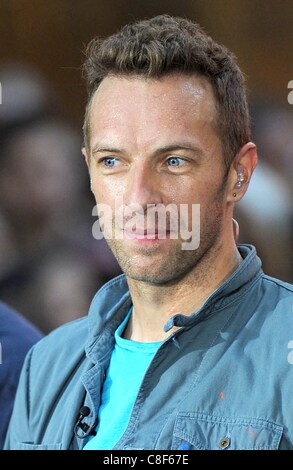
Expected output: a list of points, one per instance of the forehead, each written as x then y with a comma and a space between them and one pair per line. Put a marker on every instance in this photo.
174, 101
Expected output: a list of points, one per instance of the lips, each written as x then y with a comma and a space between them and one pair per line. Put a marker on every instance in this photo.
151, 234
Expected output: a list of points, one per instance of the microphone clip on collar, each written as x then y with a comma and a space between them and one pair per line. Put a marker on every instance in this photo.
87, 430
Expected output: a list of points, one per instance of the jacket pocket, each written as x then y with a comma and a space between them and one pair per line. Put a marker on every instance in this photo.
28, 446
200, 431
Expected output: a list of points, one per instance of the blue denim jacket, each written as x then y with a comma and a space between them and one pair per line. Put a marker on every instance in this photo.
223, 380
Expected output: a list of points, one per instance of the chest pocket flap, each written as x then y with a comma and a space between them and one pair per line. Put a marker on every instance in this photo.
28, 446
200, 431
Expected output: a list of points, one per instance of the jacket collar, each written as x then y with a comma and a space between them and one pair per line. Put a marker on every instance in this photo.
112, 302
236, 284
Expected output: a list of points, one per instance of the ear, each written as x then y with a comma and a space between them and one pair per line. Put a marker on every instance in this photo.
241, 171
87, 161
86, 157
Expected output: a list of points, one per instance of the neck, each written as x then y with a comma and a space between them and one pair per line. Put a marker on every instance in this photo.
153, 304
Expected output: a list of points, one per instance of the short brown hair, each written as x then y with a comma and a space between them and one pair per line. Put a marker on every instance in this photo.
162, 45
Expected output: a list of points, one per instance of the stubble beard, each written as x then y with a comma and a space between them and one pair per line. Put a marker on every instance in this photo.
158, 266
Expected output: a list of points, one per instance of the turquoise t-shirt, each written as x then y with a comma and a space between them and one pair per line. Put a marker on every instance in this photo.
128, 364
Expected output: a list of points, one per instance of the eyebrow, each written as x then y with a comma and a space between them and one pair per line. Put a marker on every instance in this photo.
180, 146
100, 148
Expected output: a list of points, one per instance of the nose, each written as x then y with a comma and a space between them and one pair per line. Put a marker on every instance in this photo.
143, 186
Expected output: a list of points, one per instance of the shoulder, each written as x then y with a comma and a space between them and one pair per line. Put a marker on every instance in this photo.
60, 350
67, 336
278, 284
275, 302
277, 290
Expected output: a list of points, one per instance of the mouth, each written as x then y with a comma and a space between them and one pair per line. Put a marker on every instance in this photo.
146, 235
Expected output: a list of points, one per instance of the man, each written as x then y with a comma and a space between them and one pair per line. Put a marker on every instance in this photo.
17, 336
188, 349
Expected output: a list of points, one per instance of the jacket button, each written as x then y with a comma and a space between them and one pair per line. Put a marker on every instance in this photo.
224, 443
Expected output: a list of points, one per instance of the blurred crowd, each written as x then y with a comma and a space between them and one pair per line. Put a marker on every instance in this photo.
265, 214
50, 264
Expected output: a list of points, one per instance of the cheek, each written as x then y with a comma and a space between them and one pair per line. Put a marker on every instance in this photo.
188, 191
207, 193
106, 190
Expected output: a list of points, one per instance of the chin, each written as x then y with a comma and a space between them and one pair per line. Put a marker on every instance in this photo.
155, 277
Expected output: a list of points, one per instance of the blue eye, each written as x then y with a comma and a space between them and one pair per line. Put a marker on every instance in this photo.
175, 161
109, 162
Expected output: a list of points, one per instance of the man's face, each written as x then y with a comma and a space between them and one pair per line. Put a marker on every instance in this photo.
153, 142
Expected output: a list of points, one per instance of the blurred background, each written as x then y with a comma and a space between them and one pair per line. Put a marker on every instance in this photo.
50, 264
